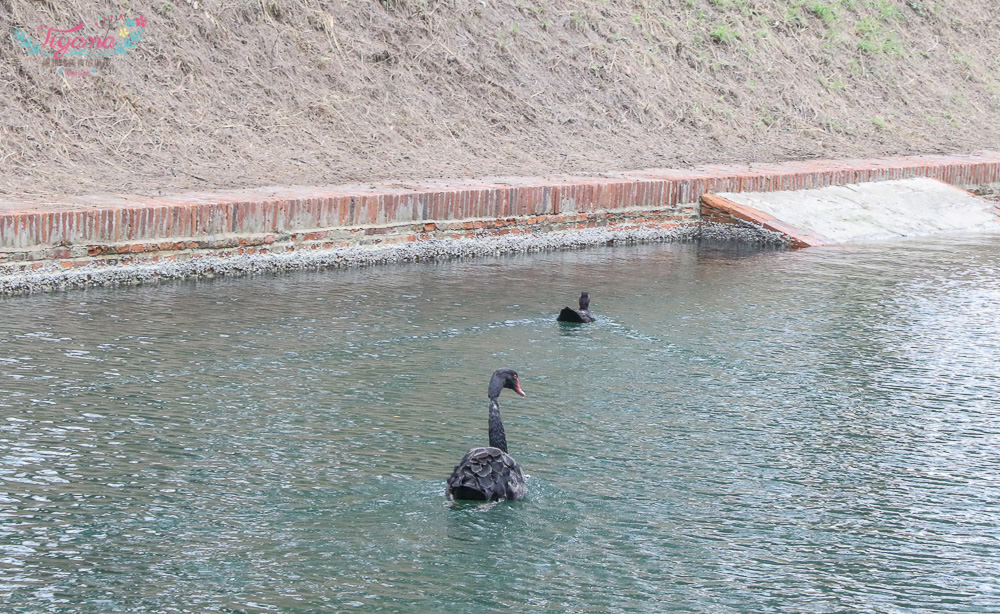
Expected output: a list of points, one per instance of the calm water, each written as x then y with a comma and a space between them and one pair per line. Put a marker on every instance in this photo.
741, 431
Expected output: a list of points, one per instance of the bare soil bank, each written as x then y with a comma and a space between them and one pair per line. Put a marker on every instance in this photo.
244, 93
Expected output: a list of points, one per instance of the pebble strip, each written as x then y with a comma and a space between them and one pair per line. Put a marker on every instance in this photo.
54, 278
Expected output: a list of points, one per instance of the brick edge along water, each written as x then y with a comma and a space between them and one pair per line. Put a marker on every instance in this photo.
106, 240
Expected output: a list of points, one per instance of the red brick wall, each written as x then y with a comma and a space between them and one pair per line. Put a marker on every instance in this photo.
79, 230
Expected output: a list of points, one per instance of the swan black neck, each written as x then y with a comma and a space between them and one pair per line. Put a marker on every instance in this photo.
584, 301
498, 439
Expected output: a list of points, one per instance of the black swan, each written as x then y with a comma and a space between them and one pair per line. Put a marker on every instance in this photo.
581, 315
490, 474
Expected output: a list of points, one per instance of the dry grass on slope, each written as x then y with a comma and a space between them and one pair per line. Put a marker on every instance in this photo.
256, 92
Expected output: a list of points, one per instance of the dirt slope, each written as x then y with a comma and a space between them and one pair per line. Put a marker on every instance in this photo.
257, 92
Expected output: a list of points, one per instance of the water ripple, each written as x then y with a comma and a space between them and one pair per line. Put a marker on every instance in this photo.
740, 431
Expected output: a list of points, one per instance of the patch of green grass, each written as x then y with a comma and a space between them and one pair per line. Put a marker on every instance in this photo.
831, 40
875, 39
578, 21
503, 37
742, 6
836, 126
919, 7
887, 9
879, 122
965, 61
793, 16
766, 121
723, 35
824, 11
833, 84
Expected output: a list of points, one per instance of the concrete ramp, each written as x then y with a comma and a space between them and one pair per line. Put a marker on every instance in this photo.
857, 212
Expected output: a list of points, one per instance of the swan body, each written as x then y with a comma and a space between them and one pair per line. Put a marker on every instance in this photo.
487, 474
490, 473
581, 315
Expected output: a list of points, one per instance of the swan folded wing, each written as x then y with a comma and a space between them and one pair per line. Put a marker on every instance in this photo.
568, 314
487, 473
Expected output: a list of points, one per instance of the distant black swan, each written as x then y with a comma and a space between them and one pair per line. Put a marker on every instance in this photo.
568, 314
490, 474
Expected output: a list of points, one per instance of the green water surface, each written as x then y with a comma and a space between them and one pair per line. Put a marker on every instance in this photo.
740, 431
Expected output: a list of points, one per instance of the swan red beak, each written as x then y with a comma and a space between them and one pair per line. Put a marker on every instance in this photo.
517, 389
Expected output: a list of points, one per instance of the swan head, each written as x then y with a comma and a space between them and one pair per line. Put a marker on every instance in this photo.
504, 378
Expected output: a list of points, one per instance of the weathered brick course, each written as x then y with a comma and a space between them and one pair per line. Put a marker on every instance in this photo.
88, 229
